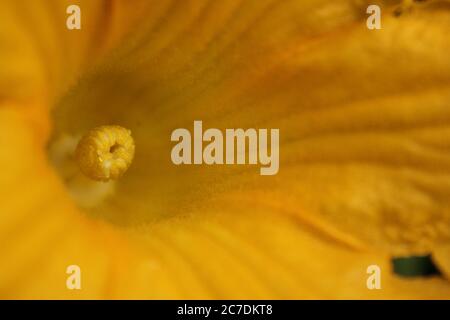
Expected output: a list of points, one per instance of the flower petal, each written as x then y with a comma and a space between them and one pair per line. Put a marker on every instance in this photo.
363, 152
210, 255
363, 115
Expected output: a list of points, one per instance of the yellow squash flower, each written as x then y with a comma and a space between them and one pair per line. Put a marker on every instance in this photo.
364, 119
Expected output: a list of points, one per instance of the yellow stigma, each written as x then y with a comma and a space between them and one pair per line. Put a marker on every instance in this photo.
105, 152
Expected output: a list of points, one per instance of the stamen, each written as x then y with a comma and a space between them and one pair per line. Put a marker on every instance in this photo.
105, 153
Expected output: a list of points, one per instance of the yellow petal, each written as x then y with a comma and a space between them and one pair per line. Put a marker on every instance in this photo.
362, 152
210, 255
363, 114
442, 258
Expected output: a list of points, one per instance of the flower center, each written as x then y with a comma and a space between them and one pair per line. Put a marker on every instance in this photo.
105, 153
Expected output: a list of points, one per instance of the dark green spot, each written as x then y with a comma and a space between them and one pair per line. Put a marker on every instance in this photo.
415, 266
